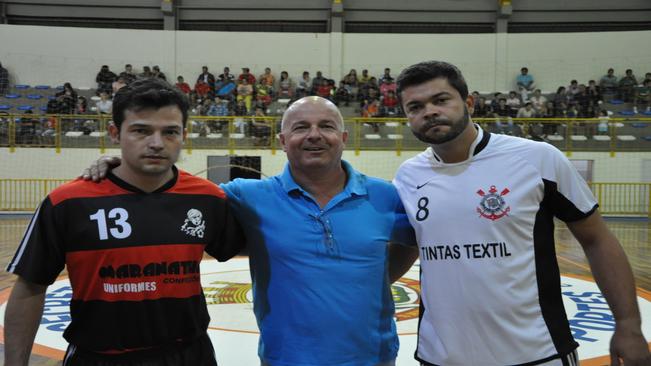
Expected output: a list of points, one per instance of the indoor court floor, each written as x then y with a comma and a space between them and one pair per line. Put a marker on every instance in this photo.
233, 330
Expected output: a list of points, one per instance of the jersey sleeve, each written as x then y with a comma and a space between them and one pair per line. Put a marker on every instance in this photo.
40, 257
230, 240
568, 194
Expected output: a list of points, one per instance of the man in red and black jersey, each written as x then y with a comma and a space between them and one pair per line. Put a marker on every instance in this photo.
132, 245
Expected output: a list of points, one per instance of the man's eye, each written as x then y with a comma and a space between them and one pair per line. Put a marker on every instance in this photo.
172, 132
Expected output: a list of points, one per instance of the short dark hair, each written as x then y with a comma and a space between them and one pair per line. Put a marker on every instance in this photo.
147, 94
428, 70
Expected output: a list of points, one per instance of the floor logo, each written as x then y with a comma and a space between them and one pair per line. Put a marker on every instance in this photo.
234, 331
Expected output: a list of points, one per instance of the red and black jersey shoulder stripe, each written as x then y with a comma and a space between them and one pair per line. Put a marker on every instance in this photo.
80, 188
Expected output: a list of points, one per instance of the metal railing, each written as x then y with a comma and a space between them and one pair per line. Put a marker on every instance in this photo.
615, 199
246, 132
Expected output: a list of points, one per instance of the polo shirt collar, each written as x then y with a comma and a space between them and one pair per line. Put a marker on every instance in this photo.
354, 180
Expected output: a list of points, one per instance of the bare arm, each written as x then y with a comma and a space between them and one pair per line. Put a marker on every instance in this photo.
614, 276
22, 317
401, 258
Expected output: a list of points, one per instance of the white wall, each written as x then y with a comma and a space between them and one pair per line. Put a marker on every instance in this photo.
52, 55
45, 163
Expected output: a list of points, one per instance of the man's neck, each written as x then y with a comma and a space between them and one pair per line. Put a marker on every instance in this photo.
323, 184
146, 183
457, 150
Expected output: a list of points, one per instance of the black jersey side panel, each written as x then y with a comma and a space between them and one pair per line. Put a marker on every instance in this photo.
548, 273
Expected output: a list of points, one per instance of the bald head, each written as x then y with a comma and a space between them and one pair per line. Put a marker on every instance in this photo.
307, 104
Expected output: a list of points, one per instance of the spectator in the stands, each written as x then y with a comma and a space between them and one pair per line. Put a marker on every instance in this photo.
219, 108
325, 89
183, 86
582, 101
594, 93
128, 75
118, 84
482, 108
224, 78
206, 78
370, 88
105, 79
513, 101
549, 127
226, 75
560, 110
82, 105
371, 109
627, 86
304, 86
364, 78
67, 99
156, 73
496, 100
146, 73
560, 96
245, 93
342, 94
260, 127
527, 111
285, 86
246, 75
525, 83
262, 94
317, 82
27, 129
268, 79
4, 80
572, 90
387, 86
351, 84
609, 84
643, 97
104, 104
501, 112
386, 77
202, 90
537, 100
390, 105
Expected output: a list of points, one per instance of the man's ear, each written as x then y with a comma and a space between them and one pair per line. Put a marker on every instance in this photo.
114, 133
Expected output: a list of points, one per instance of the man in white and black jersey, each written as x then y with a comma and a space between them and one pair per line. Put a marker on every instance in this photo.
483, 207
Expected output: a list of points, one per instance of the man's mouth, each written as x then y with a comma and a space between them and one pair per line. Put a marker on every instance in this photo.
313, 148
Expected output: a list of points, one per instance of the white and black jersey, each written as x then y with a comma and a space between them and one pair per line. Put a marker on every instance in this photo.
490, 281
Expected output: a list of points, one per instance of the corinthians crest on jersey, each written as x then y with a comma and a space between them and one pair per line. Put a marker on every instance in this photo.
492, 205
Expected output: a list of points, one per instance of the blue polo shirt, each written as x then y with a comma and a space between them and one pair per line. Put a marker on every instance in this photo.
321, 293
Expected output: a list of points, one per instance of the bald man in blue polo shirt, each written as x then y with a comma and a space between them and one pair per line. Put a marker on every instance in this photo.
317, 237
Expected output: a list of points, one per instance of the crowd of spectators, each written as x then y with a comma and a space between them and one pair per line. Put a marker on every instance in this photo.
246, 95
576, 100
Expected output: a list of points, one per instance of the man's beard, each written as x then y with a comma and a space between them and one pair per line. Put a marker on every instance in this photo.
456, 128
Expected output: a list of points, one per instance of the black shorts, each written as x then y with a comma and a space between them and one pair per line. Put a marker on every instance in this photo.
198, 352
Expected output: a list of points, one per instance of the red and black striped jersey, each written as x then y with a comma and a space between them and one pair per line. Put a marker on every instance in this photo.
133, 258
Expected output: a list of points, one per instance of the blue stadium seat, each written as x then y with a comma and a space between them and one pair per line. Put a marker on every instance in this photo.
25, 107
42, 87
627, 113
4, 107
639, 125
22, 86
12, 96
60, 87
34, 96
647, 113
51, 97
43, 108
616, 101
648, 138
